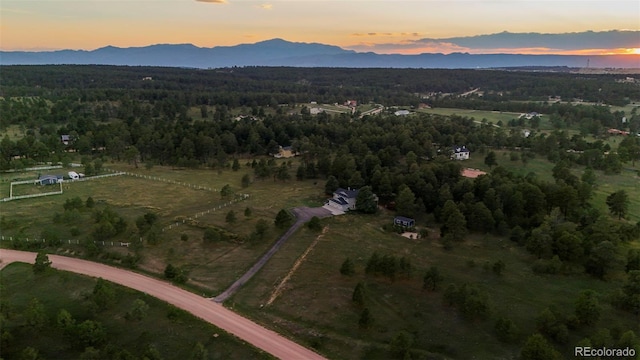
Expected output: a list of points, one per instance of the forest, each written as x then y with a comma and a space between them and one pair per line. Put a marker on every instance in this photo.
208, 119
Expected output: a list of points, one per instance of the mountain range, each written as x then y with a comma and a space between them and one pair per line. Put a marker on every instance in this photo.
278, 52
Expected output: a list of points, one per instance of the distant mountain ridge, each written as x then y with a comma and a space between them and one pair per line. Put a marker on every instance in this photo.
279, 52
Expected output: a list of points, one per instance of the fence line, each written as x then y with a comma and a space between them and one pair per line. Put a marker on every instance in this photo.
68, 241
239, 198
157, 178
33, 181
32, 196
87, 178
11, 197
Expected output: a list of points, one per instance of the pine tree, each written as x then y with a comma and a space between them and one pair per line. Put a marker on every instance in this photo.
42, 263
283, 219
347, 267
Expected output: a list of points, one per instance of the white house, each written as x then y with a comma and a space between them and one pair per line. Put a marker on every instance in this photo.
343, 199
401, 113
460, 153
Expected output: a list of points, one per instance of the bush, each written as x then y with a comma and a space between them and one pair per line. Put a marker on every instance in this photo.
506, 330
211, 235
553, 266
314, 224
284, 219
347, 268
170, 272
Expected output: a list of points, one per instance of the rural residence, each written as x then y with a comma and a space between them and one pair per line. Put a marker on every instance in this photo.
404, 222
343, 199
460, 153
49, 179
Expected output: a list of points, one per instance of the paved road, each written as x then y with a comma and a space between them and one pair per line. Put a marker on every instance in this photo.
303, 214
205, 309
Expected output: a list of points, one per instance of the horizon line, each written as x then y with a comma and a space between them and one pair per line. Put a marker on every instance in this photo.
516, 51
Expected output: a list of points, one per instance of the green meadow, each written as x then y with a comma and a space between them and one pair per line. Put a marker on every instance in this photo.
164, 330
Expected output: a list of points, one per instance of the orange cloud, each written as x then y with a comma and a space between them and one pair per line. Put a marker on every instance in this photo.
402, 34
266, 6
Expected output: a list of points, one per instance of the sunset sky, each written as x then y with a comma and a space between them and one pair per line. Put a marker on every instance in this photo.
384, 26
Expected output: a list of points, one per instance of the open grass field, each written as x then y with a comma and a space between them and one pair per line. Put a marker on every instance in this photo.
317, 309
212, 266
492, 117
172, 332
15, 132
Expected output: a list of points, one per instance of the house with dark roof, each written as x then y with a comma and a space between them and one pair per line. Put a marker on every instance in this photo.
49, 179
460, 153
404, 222
343, 199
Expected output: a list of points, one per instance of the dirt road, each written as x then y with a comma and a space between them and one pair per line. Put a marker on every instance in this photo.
214, 313
302, 214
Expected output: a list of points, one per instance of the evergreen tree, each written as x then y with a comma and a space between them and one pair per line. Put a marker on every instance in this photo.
405, 202
35, 314
331, 185
103, 295
490, 160
42, 263
262, 227
231, 217
347, 267
246, 181
358, 294
506, 330
454, 224
588, 308
432, 279
284, 219
618, 203
366, 319
366, 201
538, 348
314, 224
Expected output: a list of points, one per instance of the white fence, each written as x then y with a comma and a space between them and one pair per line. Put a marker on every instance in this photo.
87, 178
202, 213
69, 242
169, 181
18, 197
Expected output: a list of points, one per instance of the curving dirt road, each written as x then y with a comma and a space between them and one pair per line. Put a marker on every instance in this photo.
214, 313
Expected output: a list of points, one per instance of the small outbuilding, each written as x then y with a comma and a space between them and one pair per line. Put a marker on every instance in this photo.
404, 222
49, 179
